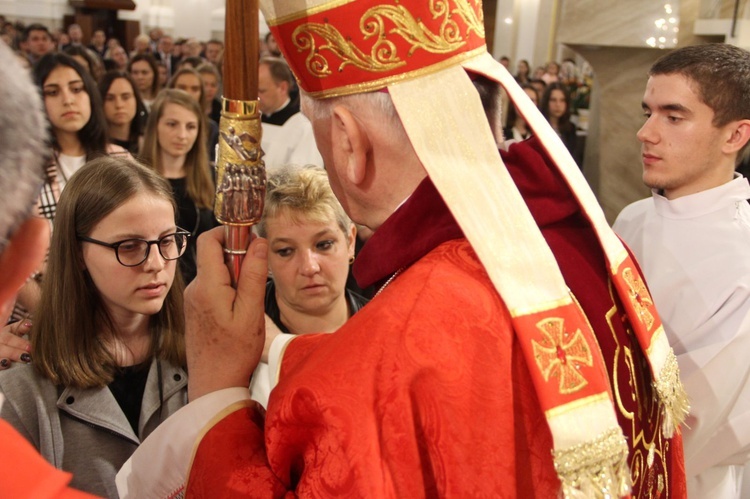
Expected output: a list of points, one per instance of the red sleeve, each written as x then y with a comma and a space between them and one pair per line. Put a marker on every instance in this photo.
31, 476
231, 458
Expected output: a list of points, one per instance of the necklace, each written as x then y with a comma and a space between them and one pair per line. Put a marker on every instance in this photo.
390, 279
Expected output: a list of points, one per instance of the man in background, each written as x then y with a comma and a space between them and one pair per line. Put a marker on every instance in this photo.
287, 133
692, 239
38, 41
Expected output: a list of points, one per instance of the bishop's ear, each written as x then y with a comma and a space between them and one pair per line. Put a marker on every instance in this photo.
351, 144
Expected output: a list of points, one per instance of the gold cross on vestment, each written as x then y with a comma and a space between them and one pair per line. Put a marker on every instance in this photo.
561, 355
639, 297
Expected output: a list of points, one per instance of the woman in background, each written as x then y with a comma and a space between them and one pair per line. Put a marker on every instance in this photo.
78, 133
523, 74
517, 128
556, 108
108, 336
310, 247
211, 85
142, 68
175, 146
190, 81
124, 110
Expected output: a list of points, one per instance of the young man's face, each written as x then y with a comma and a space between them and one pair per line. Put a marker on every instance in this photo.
681, 148
39, 42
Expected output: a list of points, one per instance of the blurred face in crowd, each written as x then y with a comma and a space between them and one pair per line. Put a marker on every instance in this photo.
119, 103
143, 75
39, 43
166, 44
98, 39
210, 86
309, 260
75, 33
156, 34
177, 130
120, 57
191, 84
272, 95
66, 101
213, 51
522, 67
141, 45
557, 105
163, 75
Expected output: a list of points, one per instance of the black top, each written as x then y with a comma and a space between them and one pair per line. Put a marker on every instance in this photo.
282, 115
355, 302
194, 220
128, 388
215, 113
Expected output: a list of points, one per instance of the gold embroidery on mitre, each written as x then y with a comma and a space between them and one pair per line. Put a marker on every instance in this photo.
561, 354
383, 54
639, 296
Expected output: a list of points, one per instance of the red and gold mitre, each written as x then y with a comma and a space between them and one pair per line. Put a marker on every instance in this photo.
343, 47
422, 52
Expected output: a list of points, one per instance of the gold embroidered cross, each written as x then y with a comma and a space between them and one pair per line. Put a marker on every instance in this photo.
639, 297
561, 354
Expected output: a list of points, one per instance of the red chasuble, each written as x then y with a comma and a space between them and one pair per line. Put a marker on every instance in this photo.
425, 392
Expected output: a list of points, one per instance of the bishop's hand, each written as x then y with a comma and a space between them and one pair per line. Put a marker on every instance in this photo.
225, 328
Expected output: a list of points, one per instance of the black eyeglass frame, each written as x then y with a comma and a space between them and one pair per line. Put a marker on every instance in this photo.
116, 245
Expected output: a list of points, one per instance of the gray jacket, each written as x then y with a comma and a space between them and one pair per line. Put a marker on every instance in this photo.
84, 431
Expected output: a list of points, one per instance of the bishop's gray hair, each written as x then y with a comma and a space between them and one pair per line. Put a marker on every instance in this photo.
23, 133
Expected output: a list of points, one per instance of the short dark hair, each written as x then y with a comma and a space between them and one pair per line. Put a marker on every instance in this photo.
35, 27
721, 74
279, 70
93, 135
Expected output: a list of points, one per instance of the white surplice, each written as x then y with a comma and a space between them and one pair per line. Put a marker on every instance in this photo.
695, 255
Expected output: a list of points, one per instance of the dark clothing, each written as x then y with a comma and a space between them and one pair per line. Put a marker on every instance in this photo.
569, 137
194, 220
282, 115
212, 138
215, 113
128, 387
355, 302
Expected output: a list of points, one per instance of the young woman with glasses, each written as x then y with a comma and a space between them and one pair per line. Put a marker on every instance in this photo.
108, 336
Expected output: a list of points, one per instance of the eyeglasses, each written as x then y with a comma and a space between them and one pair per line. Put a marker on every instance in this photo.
133, 252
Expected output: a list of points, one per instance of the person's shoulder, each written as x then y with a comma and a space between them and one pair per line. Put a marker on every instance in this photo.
23, 382
632, 214
450, 271
117, 151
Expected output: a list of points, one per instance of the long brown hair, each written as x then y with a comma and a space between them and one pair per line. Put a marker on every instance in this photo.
69, 335
200, 185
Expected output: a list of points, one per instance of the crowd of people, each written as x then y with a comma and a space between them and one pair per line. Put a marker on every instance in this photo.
559, 91
524, 354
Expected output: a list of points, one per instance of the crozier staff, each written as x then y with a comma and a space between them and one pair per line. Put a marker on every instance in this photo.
238, 165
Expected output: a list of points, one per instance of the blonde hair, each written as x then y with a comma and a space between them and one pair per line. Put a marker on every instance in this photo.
66, 337
200, 185
302, 192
